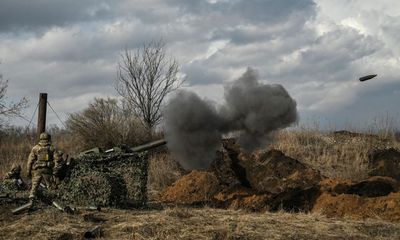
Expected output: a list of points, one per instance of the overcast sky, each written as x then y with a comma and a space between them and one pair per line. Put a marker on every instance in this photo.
316, 49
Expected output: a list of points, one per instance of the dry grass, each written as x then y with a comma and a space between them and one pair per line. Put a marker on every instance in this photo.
190, 223
163, 171
336, 155
15, 149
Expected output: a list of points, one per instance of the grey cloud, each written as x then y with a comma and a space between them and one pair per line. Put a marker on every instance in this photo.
16, 15
78, 47
272, 11
372, 108
198, 73
332, 57
251, 10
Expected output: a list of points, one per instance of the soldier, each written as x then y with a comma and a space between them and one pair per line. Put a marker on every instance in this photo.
41, 162
14, 173
60, 167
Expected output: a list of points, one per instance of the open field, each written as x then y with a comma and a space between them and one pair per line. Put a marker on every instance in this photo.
339, 155
190, 223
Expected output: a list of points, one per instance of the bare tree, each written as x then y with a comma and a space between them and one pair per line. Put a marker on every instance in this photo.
105, 124
144, 79
11, 109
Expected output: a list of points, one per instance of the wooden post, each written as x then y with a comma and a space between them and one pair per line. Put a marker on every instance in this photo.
41, 127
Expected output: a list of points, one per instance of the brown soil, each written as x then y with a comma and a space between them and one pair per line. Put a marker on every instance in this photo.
385, 162
272, 181
358, 207
195, 187
371, 187
241, 198
335, 185
255, 202
274, 172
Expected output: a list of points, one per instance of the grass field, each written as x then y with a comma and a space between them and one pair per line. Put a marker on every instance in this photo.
335, 154
191, 223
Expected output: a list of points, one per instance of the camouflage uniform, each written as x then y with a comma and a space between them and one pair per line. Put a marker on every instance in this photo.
41, 162
14, 176
60, 167
15, 172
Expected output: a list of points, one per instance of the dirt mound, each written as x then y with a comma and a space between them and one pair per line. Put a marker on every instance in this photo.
358, 207
230, 194
385, 162
254, 202
274, 172
193, 188
372, 187
374, 197
295, 200
335, 185
240, 197
228, 166
272, 181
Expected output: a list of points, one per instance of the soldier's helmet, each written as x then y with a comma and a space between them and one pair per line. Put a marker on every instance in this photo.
45, 137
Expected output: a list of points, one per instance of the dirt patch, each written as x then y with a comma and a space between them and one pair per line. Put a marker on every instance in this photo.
372, 187
240, 197
295, 200
385, 162
228, 165
273, 182
335, 185
195, 187
274, 172
255, 202
359, 207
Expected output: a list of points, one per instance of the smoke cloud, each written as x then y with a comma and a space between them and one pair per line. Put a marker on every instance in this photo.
194, 127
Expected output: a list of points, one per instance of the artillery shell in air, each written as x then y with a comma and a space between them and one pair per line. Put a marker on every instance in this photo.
368, 77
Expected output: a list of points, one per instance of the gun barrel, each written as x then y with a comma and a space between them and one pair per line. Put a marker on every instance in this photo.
148, 146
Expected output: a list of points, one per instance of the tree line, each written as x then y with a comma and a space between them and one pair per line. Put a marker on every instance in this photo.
144, 77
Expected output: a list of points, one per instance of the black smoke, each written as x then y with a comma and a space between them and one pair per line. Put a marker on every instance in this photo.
194, 127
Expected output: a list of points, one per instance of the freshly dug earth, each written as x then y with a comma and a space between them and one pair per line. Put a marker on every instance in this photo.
385, 162
371, 187
358, 207
273, 172
193, 188
241, 198
278, 182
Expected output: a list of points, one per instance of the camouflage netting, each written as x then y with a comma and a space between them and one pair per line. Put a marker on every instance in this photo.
117, 180
10, 190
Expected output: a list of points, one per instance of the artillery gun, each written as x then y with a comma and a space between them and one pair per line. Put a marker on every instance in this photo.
126, 149
115, 177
